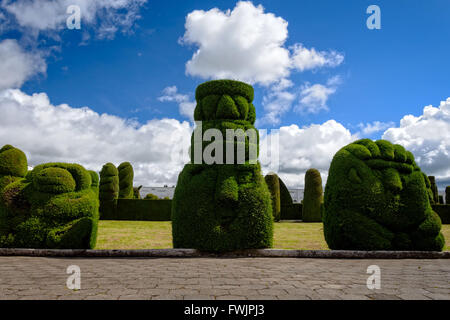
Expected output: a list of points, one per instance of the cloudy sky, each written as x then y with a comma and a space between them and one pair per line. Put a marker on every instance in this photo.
121, 88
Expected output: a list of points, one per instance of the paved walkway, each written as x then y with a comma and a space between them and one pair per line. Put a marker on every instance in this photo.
210, 278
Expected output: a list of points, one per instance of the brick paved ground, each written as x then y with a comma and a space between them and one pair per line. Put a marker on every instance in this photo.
211, 278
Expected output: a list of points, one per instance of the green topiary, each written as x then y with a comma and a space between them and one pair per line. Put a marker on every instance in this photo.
13, 165
137, 192
126, 175
434, 189
313, 196
109, 188
222, 207
55, 206
273, 183
447, 195
95, 181
441, 199
376, 199
428, 188
285, 196
151, 196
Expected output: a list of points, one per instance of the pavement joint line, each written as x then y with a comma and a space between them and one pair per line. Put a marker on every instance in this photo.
250, 253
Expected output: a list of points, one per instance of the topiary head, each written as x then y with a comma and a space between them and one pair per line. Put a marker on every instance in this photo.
224, 99
13, 162
57, 178
378, 179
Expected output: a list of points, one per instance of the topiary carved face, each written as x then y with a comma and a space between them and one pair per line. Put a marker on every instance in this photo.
378, 181
53, 207
223, 206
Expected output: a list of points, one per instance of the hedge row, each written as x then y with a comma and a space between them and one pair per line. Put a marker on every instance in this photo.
443, 211
139, 210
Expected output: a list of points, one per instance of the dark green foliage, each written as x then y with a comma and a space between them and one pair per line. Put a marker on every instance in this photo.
223, 207
447, 195
434, 189
443, 211
55, 206
428, 188
273, 184
313, 196
126, 176
151, 196
136, 192
13, 165
285, 196
292, 211
140, 210
109, 188
441, 199
376, 199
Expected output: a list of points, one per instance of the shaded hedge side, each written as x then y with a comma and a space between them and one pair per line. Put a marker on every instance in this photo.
140, 210
313, 196
273, 184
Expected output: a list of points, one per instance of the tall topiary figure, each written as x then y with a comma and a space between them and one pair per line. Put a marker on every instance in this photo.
54, 206
108, 189
13, 165
447, 195
376, 199
434, 189
126, 175
273, 183
222, 207
313, 196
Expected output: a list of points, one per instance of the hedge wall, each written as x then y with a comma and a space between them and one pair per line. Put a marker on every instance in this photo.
443, 211
292, 211
140, 210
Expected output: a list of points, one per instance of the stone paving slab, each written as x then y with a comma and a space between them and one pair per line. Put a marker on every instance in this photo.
223, 278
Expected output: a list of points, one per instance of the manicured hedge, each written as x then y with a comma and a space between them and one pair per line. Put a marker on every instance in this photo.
108, 189
126, 176
140, 210
313, 196
54, 206
273, 184
292, 211
443, 211
222, 207
376, 199
13, 165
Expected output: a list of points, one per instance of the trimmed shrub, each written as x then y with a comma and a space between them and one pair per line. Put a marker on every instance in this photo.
151, 196
434, 189
13, 165
54, 206
285, 196
441, 199
273, 184
443, 211
126, 176
137, 192
292, 211
222, 207
108, 189
447, 195
141, 210
313, 196
376, 199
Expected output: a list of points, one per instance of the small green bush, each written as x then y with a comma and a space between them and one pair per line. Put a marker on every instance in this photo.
222, 207
54, 206
151, 196
273, 184
313, 196
13, 165
376, 199
126, 176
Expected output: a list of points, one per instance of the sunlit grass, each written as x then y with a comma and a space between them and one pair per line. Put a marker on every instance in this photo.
158, 235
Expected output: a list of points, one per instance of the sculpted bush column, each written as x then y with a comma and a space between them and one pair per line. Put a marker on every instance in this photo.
273, 183
108, 189
126, 175
313, 196
222, 207
376, 199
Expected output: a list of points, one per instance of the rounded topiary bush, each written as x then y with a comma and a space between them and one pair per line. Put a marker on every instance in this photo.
447, 195
126, 176
151, 196
273, 183
108, 190
13, 165
376, 199
52, 207
313, 196
223, 207
434, 189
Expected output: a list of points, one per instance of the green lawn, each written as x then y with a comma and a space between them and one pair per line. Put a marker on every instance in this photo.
158, 235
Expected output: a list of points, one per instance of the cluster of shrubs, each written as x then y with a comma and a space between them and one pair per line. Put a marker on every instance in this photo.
53, 206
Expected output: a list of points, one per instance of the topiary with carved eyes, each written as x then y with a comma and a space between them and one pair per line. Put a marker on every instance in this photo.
54, 206
376, 199
223, 206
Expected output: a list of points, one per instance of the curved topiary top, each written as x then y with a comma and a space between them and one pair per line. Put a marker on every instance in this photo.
224, 99
376, 199
13, 162
49, 175
109, 182
220, 87
312, 199
126, 175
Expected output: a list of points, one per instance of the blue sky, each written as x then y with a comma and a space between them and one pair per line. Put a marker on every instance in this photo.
384, 75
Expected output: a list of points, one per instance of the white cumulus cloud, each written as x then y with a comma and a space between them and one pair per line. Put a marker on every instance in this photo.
428, 138
48, 133
247, 44
186, 106
17, 66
